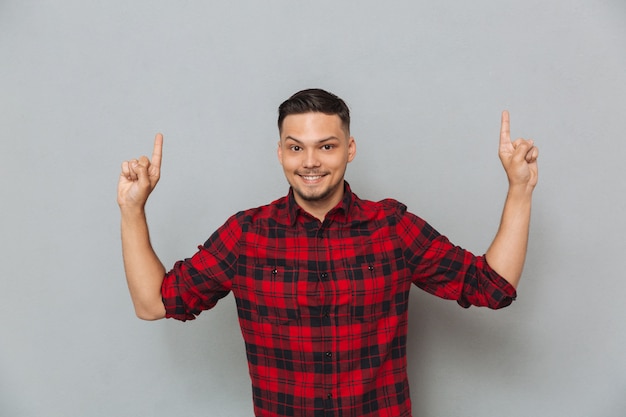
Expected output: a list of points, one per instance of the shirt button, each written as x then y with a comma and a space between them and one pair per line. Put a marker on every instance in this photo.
329, 396
324, 275
329, 355
326, 312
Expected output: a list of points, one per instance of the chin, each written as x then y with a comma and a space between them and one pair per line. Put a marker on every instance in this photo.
312, 196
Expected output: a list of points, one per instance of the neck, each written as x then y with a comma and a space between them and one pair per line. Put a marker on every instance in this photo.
319, 210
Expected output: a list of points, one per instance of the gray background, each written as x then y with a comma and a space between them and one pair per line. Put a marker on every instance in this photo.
86, 84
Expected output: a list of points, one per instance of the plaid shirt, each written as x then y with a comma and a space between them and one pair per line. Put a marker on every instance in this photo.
323, 305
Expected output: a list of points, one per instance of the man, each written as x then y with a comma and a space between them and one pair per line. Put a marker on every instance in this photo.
321, 278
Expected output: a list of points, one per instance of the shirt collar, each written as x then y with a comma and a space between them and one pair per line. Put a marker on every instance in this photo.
340, 213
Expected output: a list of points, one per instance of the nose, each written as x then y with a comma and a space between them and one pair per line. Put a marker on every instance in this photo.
310, 159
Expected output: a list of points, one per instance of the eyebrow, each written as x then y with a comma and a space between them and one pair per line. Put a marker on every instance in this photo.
317, 142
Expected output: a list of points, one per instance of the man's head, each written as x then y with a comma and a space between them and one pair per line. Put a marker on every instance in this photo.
315, 148
315, 100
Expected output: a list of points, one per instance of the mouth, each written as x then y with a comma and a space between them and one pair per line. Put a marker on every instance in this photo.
311, 178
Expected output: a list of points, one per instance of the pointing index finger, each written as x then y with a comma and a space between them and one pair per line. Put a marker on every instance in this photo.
505, 129
157, 153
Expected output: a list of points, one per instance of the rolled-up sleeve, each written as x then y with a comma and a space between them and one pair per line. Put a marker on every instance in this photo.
198, 283
449, 271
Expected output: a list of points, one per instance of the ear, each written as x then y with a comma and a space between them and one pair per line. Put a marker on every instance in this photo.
279, 152
351, 149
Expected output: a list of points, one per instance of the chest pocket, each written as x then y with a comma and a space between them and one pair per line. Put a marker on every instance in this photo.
374, 286
275, 293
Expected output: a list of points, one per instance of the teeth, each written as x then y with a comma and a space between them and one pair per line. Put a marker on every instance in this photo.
308, 178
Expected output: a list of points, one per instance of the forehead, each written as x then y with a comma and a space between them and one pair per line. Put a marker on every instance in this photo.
312, 125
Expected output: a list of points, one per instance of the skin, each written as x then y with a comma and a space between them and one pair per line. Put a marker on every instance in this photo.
144, 270
314, 151
507, 252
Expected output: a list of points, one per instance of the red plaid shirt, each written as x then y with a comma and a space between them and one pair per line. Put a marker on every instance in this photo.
323, 305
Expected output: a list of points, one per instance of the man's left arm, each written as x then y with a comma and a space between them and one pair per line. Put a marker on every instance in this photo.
507, 253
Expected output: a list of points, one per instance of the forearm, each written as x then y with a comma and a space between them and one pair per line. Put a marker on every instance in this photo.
144, 270
507, 253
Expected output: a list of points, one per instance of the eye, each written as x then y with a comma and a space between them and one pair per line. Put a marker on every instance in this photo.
295, 148
328, 147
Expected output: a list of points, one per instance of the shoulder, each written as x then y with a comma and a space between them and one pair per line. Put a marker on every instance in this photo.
249, 221
387, 207
390, 212
273, 211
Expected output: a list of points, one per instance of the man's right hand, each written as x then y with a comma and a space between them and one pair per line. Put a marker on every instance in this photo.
139, 177
144, 270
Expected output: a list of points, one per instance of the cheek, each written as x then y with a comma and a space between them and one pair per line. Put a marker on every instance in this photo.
338, 162
288, 163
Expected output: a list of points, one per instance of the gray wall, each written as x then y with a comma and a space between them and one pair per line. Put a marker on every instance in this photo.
86, 84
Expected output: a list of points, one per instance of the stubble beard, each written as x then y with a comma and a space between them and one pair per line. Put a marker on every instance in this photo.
315, 196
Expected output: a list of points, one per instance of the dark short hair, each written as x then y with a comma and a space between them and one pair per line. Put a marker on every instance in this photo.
314, 100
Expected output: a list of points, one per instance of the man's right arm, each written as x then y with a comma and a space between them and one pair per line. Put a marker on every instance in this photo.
144, 270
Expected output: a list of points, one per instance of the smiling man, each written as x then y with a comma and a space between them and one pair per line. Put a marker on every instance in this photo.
321, 277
